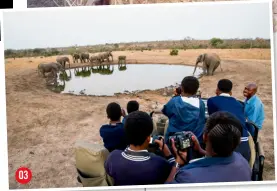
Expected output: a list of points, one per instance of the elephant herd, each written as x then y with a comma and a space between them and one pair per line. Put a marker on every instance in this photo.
210, 63
85, 57
59, 65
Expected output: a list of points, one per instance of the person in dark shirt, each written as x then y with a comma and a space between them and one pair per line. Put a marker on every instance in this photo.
223, 101
135, 165
221, 163
132, 105
113, 134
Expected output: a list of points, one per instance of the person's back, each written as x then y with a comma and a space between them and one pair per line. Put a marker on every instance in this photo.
186, 112
216, 169
184, 116
113, 134
135, 165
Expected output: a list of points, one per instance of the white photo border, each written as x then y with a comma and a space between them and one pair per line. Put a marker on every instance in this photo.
3, 119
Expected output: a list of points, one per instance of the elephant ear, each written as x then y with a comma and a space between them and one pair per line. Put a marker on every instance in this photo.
204, 56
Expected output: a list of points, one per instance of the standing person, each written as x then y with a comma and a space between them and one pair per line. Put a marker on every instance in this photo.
254, 108
223, 101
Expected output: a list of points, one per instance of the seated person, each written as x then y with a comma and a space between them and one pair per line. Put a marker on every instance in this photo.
225, 102
135, 165
221, 164
113, 134
131, 106
185, 112
253, 108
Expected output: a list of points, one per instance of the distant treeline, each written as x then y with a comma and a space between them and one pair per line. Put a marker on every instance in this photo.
187, 43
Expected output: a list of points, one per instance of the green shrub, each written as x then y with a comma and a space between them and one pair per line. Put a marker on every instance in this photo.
174, 52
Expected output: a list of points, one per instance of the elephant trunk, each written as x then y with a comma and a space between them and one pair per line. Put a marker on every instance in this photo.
195, 66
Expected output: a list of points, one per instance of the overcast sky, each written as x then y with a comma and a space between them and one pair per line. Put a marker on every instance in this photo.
98, 25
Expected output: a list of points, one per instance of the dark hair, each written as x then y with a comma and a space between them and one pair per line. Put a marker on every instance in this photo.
132, 106
225, 85
138, 126
190, 85
114, 111
224, 131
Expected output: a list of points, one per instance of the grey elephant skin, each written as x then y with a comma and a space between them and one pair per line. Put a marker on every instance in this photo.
76, 57
53, 67
84, 57
95, 59
210, 63
106, 56
63, 60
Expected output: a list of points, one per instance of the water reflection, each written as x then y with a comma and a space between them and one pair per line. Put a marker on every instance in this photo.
110, 79
83, 72
103, 69
122, 67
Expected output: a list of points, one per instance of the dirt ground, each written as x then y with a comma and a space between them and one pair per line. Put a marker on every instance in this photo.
43, 126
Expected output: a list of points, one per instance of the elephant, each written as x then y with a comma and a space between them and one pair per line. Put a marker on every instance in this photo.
84, 57
52, 67
76, 57
95, 58
121, 59
63, 60
210, 63
106, 55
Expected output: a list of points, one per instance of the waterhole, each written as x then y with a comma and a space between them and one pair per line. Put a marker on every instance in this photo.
107, 80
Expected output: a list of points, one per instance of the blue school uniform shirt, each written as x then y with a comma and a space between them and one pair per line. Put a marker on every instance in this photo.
113, 136
225, 102
184, 116
254, 111
130, 167
214, 169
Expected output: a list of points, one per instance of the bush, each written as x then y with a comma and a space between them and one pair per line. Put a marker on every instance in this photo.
174, 52
215, 42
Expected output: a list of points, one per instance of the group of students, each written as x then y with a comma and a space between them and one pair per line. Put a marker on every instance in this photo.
222, 140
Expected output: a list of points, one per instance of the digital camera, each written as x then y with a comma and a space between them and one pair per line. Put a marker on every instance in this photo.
182, 140
153, 138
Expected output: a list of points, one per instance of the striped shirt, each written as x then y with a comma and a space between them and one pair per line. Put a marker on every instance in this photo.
130, 167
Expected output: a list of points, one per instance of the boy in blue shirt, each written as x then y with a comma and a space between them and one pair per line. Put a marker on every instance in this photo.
132, 106
223, 101
254, 108
185, 112
113, 134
